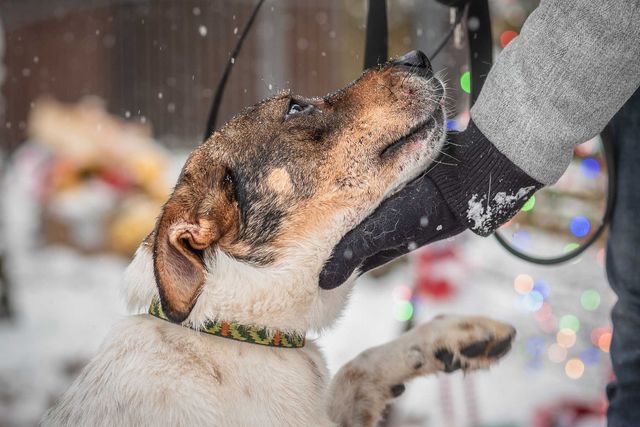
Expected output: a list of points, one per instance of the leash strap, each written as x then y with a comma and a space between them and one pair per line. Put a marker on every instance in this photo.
376, 49
238, 332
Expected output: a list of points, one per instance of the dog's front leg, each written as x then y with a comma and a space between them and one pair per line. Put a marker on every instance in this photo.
362, 388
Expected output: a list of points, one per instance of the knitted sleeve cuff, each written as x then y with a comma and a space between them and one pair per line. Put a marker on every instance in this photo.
483, 188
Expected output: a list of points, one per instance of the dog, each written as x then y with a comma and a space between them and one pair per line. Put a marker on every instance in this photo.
231, 271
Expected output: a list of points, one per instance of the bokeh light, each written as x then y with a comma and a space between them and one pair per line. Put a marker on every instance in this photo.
465, 81
596, 333
521, 239
402, 293
529, 204
549, 325
590, 356
534, 346
574, 368
600, 257
590, 168
403, 311
570, 247
604, 342
533, 301
566, 338
544, 314
556, 353
542, 287
590, 300
569, 321
579, 226
506, 37
523, 284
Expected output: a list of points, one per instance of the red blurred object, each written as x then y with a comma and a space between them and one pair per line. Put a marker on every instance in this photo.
506, 37
428, 282
570, 413
118, 179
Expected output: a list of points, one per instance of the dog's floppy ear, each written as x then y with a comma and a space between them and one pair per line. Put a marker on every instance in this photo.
199, 213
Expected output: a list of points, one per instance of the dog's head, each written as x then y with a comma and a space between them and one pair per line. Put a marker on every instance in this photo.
259, 206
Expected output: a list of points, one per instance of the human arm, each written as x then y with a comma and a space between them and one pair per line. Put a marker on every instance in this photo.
557, 84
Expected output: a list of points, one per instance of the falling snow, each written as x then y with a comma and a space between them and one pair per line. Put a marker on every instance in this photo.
202, 30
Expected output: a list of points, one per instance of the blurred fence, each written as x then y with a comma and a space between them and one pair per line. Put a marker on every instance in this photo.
159, 61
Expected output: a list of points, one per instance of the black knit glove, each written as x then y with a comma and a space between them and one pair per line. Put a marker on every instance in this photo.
472, 185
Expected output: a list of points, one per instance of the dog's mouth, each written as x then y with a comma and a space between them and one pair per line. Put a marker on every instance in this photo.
416, 134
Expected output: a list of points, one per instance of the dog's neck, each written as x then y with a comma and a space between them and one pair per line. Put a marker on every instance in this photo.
279, 298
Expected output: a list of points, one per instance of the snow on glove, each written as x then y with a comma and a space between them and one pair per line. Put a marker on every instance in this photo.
472, 185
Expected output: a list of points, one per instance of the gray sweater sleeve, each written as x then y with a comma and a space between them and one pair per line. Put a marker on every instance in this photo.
558, 83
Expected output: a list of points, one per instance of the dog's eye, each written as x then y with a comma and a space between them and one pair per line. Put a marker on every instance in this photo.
228, 180
296, 108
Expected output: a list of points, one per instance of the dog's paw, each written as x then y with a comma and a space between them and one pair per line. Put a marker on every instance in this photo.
465, 342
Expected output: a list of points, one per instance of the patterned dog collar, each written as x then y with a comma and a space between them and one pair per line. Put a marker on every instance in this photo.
235, 331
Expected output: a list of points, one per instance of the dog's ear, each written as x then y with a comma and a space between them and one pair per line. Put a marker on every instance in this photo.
200, 212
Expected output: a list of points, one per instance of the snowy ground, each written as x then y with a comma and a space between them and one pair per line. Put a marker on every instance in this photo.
66, 302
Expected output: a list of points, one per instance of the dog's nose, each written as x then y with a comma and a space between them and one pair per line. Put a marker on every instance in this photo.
416, 61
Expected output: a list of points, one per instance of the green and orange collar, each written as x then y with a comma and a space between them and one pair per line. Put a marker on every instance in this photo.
238, 332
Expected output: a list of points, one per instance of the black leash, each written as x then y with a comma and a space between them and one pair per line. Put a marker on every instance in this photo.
217, 98
376, 42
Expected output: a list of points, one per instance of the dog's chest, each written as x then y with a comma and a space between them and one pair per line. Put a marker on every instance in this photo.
188, 378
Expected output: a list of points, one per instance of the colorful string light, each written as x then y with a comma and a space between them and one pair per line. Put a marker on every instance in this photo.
533, 301
529, 204
523, 284
590, 168
506, 37
402, 293
590, 356
566, 338
465, 81
403, 311
521, 239
569, 321
556, 353
534, 346
590, 300
604, 342
542, 287
596, 333
574, 368
579, 226
600, 257
570, 247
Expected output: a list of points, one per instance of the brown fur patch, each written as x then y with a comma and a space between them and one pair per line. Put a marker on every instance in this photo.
280, 181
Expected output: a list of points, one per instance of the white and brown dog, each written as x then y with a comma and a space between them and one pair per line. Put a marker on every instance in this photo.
236, 253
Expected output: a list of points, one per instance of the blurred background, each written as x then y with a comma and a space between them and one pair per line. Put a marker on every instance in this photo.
103, 99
